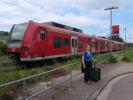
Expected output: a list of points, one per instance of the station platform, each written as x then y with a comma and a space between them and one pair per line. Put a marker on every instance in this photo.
96, 91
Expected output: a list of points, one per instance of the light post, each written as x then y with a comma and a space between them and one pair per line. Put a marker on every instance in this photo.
125, 40
111, 8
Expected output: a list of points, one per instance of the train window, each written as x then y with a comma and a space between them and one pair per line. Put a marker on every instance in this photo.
66, 43
108, 45
57, 42
89, 41
96, 44
92, 43
102, 44
42, 35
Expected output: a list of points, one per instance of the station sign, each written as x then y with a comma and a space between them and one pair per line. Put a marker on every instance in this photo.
115, 30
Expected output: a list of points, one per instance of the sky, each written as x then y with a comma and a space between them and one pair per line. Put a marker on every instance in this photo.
88, 15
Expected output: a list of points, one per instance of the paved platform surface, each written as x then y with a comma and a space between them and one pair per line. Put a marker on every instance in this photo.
120, 88
81, 91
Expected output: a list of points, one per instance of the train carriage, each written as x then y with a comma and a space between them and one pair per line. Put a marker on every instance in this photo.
102, 44
34, 41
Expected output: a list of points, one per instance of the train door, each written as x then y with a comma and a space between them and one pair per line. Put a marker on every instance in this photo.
38, 44
74, 42
89, 42
93, 44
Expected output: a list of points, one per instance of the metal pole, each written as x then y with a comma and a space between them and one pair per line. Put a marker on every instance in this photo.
71, 75
24, 90
125, 42
111, 8
110, 22
110, 30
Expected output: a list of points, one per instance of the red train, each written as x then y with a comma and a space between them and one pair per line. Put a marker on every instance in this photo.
34, 41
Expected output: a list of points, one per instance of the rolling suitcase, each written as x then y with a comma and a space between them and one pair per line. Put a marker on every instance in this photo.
95, 74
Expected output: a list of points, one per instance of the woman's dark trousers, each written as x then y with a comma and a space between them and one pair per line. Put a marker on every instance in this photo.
87, 73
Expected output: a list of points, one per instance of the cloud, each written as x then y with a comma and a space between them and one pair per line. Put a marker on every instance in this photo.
4, 8
79, 20
86, 14
100, 4
42, 11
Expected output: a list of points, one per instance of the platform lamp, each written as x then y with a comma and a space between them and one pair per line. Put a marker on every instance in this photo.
125, 29
111, 8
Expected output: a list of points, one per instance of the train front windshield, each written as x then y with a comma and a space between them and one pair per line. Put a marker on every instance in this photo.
17, 32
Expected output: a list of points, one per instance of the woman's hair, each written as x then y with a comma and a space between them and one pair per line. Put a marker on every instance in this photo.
88, 48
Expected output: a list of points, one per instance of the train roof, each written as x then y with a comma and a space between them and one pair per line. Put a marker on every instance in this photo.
64, 26
103, 38
59, 29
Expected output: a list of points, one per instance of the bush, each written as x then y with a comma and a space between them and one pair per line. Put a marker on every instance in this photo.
6, 94
112, 59
3, 47
126, 59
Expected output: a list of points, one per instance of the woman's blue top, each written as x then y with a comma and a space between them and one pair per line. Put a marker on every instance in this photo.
87, 56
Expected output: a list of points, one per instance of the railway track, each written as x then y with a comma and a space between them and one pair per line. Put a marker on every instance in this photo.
11, 64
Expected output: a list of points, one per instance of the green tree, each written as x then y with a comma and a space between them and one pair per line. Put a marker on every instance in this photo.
4, 33
4, 36
115, 38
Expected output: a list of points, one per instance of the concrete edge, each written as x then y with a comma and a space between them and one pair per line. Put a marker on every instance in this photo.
95, 95
108, 88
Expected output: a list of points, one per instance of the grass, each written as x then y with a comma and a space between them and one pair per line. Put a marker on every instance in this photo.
126, 59
4, 59
5, 94
1, 53
112, 59
13, 74
102, 58
128, 56
10, 73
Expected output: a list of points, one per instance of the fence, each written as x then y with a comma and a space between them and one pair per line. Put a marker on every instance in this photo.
23, 92
25, 86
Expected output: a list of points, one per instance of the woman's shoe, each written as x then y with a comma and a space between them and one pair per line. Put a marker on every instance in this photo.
88, 83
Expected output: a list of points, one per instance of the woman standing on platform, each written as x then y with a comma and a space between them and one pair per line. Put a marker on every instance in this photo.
87, 64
